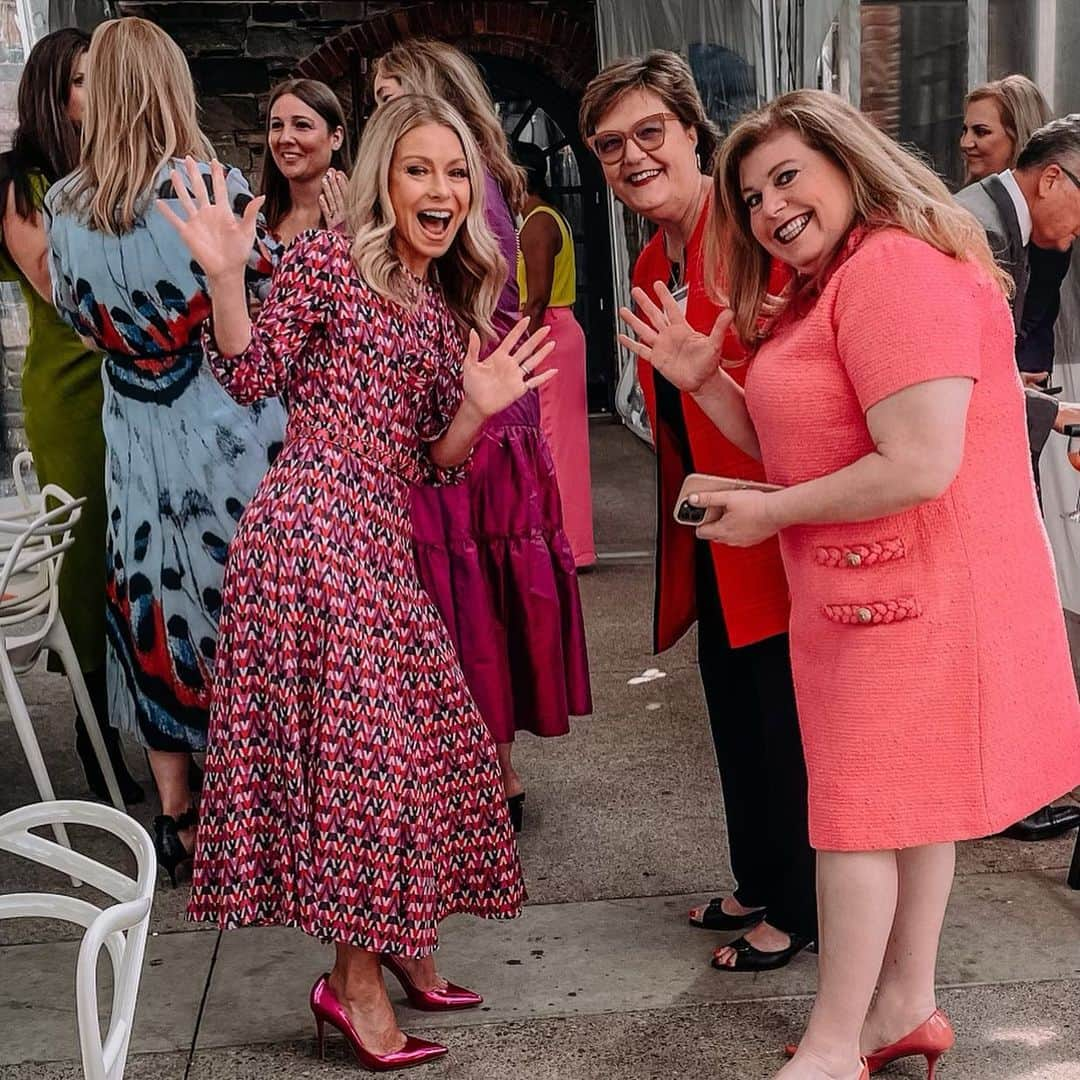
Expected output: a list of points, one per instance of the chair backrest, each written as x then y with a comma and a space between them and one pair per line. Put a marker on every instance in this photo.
35, 554
22, 465
120, 928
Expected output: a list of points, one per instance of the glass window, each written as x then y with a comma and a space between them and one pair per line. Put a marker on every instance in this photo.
913, 75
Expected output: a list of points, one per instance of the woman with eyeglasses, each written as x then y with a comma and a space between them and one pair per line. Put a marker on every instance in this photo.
645, 121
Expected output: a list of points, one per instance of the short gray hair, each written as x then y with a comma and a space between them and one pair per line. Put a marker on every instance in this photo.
1060, 138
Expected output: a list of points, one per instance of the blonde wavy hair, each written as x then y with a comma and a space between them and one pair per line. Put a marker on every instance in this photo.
473, 271
891, 187
1021, 105
140, 113
438, 70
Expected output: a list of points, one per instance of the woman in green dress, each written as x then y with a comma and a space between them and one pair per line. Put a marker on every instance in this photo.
61, 381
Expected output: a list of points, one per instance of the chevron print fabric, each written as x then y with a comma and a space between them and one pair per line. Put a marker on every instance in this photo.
352, 789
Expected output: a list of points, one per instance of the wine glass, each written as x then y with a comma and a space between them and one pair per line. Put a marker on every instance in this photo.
1073, 452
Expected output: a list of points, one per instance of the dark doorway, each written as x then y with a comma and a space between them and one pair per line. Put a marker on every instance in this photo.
535, 109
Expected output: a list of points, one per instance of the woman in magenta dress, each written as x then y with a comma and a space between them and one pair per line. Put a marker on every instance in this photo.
884, 398
493, 553
352, 789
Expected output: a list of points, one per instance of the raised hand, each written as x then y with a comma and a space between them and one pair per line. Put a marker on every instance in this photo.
685, 357
506, 374
332, 198
218, 241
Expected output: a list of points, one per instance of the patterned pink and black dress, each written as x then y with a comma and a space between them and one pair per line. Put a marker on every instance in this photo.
352, 789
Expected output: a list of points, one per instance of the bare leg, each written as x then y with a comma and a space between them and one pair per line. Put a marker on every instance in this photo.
512, 784
423, 973
171, 777
905, 996
856, 904
358, 984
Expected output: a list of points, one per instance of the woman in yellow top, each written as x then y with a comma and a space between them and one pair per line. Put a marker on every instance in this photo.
546, 281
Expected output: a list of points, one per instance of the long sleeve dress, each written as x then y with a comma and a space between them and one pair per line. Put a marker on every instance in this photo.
351, 788
182, 458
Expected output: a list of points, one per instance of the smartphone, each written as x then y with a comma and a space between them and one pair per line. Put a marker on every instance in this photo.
686, 513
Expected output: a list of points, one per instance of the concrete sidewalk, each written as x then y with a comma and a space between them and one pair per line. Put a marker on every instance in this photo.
602, 976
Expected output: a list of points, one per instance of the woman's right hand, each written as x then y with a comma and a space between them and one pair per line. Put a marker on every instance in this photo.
219, 242
685, 357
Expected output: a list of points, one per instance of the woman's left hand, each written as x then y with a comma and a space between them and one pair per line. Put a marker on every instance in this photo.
332, 199
506, 373
748, 517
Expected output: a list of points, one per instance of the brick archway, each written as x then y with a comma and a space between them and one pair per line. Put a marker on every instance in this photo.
554, 39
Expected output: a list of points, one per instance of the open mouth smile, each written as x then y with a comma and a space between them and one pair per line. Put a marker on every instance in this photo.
792, 229
435, 223
643, 176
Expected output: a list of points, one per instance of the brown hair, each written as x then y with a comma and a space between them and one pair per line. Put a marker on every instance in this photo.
322, 100
140, 114
46, 141
1022, 107
668, 76
889, 185
438, 70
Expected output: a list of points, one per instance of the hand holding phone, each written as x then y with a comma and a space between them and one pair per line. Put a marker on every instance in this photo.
686, 513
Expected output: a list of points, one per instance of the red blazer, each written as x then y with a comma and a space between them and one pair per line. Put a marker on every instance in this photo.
753, 588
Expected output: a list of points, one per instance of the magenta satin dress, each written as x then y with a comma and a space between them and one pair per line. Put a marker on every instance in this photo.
494, 558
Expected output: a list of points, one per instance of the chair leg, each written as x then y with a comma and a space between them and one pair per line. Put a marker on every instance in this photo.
1074, 870
24, 729
59, 641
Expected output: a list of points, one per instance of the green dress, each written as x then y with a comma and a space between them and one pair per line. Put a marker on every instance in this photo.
62, 397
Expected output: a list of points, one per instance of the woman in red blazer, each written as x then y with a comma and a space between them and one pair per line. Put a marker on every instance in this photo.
645, 121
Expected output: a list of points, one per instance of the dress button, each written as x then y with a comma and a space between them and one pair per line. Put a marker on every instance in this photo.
853, 558
864, 614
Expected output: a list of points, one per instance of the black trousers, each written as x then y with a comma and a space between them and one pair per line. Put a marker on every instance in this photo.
755, 730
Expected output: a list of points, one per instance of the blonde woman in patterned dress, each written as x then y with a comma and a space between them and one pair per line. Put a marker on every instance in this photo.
352, 789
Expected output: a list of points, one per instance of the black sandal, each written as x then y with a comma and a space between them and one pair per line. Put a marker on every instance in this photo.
749, 958
714, 917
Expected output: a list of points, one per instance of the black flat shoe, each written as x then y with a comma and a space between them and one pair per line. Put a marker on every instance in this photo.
748, 958
1045, 824
171, 853
714, 917
516, 805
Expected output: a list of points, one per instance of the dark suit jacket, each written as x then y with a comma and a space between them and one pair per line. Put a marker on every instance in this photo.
991, 204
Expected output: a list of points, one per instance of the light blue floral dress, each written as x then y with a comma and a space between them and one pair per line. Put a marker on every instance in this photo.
182, 458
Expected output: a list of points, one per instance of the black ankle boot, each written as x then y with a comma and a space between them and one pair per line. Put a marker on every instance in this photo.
171, 853
130, 789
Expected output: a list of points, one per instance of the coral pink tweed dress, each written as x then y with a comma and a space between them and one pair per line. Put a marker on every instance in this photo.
351, 788
935, 692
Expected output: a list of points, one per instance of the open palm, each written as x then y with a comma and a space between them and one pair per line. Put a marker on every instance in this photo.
218, 240
685, 357
505, 374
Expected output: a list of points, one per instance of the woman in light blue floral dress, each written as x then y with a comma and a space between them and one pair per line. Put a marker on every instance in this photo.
182, 458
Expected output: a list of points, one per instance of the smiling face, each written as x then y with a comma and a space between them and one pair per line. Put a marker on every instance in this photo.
1055, 206
430, 193
984, 142
76, 102
386, 88
301, 141
799, 201
658, 184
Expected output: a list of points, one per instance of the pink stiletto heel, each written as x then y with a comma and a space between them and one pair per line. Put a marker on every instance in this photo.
453, 997
328, 1010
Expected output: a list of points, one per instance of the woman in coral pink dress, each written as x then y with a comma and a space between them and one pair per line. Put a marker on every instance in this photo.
884, 398
352, 789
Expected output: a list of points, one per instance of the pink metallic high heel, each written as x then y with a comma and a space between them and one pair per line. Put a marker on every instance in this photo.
453, 997
327, 1010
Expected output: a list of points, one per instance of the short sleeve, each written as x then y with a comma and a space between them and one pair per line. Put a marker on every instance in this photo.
445, 392
906, 313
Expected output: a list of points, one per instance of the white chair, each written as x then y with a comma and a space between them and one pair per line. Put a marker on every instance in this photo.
120, 928
33, 540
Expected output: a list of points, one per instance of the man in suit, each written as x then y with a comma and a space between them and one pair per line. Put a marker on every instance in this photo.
1036, 203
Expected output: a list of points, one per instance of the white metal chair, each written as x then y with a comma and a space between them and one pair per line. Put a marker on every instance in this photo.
33, 540
120, 928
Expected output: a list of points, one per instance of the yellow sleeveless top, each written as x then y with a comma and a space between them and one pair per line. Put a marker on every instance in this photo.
564, 283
